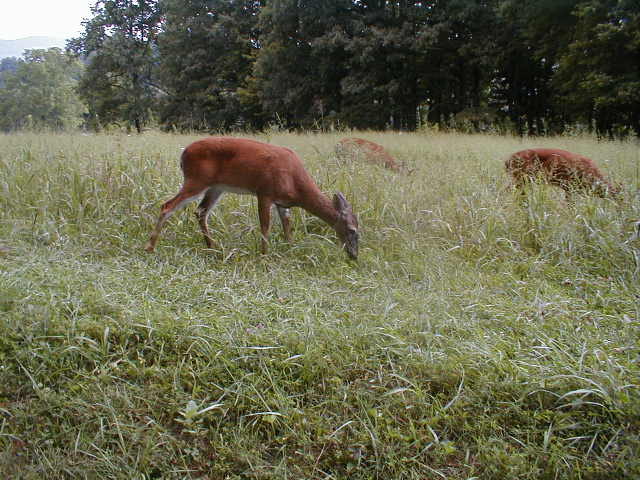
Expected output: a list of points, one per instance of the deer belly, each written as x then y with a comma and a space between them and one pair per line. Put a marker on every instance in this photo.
231, 189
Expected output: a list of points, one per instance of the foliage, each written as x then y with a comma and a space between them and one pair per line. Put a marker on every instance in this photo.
40, 91
205, 57
598, 76
299, 65
529, 37
534, 68
119, 42
480, 335
377, 97
7, 64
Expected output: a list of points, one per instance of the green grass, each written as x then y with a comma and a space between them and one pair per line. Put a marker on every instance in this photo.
479, 335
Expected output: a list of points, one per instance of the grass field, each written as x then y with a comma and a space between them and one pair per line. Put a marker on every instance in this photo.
478, 336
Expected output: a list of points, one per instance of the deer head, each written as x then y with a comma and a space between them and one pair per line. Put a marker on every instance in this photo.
347, 225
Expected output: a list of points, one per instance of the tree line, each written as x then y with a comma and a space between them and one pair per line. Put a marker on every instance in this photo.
534, 67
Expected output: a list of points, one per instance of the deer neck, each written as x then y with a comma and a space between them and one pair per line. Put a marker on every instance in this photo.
319, 205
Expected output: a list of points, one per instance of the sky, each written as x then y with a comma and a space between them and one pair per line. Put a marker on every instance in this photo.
52, 18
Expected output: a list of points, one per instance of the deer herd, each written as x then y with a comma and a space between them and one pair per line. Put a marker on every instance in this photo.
276, 175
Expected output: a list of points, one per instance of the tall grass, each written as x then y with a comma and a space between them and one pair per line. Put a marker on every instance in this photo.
480, 334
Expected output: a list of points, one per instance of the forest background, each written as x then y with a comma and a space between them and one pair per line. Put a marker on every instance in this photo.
535, 67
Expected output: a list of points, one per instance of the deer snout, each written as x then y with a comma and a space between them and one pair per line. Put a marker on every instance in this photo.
351, 244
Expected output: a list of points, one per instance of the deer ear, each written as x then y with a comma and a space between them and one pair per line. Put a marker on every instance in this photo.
339, 202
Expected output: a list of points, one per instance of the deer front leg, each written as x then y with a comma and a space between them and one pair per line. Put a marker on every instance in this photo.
264, 212
285, 219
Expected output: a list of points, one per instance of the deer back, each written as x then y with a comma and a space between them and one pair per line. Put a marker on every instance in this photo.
368, 150
246, 166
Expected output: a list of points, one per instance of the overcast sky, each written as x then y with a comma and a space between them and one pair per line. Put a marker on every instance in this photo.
53, 18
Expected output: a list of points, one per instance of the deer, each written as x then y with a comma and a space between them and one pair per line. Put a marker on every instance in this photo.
275, 175
561, 168
371, 151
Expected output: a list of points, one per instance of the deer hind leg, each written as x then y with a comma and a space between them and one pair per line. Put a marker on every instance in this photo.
569, 193
264, 212
209, 200
517, 184
185, 195
285, 219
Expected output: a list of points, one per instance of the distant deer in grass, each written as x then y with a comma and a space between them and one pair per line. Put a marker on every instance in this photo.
215, 165
348, 148
561, 168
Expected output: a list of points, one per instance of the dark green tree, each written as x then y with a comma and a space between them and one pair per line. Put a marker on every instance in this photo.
533, 66
529, 39
119, 43
206, 56
458, 39
298, 69
380, 88
598, 76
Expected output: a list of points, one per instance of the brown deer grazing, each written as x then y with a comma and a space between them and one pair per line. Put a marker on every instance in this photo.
215, 165
350, 148
561, 168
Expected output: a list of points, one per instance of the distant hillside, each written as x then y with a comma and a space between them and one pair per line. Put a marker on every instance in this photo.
15, 48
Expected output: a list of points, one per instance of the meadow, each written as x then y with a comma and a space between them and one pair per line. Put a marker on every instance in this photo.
479, 334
